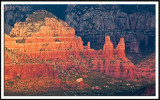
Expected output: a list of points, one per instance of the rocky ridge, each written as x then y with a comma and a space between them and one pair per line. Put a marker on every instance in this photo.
55, 50
146, 68
136, 24
15, 13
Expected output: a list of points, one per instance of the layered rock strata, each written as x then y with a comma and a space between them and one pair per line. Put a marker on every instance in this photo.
54, 44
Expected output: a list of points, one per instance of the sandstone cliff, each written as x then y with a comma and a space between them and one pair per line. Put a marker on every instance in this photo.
53, 49
42, 23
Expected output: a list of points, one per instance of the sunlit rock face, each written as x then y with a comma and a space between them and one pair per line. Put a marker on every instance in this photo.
108, 47
45, 34
120, 49
42, 23
134, 23
38, 52
24, 71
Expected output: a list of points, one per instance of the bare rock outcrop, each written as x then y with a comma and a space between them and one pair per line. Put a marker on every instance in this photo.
54, 41
120, 49
42, 23
108, 48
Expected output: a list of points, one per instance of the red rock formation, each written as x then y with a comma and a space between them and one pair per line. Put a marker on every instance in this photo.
82, 85
27, 70
120, 49
108, 48
42, 23
48, 49
54, 40
101, 66
106, 66
128, 70
79, 43
8, 59
115, 67
10, 43
146, 68
90, 52
88, 46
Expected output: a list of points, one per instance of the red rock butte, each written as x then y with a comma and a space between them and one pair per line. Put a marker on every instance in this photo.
32, 44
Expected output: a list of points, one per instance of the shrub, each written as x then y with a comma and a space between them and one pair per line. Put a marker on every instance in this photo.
45, 44
42, 50
11, 83
21, 40
13, 35
56, 40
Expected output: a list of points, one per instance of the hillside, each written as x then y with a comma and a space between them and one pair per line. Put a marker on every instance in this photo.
146, 68
45, 47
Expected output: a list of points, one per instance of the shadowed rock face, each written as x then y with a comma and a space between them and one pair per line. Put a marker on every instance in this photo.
18, 13
15, 13
136, 24
55, 44
147, 67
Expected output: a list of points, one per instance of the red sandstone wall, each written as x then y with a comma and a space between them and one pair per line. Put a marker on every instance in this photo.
27, 70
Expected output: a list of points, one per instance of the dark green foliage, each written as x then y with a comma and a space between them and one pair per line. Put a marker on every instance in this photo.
55, 35
42, 50
11, 83
56, 40
13, 35
29, 35
21, 40
136, 59
118, 88
40, 15
45, 44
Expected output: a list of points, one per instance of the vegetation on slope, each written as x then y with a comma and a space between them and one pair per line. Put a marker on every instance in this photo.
55, 87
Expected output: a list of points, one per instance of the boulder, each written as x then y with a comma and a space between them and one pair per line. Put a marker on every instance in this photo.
79, 80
